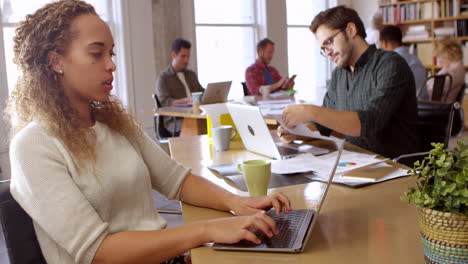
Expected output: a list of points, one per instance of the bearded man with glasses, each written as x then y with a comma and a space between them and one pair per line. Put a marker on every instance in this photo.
371, 97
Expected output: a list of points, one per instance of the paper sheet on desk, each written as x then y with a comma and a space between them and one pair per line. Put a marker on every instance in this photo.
301, 163
303, 130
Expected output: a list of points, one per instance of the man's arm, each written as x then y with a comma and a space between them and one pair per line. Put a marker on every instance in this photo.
344, 122
163, 92
253, 79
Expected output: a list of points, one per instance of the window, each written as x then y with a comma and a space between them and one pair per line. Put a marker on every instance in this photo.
304, 57
225, 41
13, 11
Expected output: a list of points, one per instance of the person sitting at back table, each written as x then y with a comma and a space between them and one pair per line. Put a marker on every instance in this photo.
262, 73
176, 83
373, 31
449, 56
371, 97
83, 169
391, 40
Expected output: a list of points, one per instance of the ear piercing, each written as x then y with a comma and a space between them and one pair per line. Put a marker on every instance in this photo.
60, 72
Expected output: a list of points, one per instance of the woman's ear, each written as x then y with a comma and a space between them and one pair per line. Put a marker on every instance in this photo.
55, 61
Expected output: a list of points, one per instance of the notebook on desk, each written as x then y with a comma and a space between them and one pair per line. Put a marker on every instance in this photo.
256, 137
295, 227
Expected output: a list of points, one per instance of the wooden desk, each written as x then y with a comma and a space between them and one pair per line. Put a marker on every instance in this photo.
365, 225
195, 123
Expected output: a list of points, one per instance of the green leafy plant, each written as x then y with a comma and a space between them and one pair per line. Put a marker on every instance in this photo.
443, 176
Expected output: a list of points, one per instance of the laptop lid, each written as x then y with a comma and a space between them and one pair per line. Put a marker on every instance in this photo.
216, 92
253, 130
303, 229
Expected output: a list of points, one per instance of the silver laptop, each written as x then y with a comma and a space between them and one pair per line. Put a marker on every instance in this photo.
295, 227
216, 92
256, 137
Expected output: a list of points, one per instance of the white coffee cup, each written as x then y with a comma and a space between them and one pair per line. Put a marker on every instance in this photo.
222, 136
265, 90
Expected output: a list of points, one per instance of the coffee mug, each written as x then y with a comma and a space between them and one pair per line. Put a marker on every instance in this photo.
257, 175
222, 136
265, 90
196, 101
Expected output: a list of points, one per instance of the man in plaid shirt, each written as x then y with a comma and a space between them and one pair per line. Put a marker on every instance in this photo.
261, 73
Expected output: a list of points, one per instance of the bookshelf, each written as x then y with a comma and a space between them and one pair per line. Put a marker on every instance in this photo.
423, 22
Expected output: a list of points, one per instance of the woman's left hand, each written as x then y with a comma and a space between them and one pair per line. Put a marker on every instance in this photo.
251, 205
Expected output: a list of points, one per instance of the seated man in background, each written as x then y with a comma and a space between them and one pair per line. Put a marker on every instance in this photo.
391, 40
261, 73
176, 83
371, 97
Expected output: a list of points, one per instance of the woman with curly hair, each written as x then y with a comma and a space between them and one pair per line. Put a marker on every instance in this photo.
83, 169
449, 55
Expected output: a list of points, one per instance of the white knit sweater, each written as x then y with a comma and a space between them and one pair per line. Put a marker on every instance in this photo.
73, 210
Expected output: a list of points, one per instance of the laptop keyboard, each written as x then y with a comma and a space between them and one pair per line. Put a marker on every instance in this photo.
288, 225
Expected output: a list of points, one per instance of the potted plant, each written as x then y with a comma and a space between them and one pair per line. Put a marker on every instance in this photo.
441, 195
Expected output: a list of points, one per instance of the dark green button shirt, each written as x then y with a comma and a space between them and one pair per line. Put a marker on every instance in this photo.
382, 92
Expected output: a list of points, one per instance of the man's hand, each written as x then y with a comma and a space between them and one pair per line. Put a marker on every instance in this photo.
185, 100
284, 135
279, 84
297, 114
252, 205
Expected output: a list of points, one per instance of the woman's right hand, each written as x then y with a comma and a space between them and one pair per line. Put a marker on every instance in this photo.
234, 229
284, 135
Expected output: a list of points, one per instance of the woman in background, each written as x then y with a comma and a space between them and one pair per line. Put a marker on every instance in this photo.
450, 56
84, 170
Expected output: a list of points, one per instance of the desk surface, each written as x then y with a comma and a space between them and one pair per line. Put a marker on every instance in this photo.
365, 225
187, 112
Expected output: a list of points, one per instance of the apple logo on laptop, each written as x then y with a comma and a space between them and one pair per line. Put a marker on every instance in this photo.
251, 130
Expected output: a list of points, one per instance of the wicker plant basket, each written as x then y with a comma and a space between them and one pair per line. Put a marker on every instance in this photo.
444, 236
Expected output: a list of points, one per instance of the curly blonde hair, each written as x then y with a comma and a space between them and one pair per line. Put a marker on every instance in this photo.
39, 94
450, 47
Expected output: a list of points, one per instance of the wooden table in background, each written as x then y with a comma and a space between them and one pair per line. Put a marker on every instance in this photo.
194, 123
364, 225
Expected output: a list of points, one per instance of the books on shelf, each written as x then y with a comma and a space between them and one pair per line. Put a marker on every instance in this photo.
462, 27
444, 31
416, 32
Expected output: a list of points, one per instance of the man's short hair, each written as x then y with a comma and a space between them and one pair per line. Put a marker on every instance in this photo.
180, 43
391, 33
263, 43
338, 18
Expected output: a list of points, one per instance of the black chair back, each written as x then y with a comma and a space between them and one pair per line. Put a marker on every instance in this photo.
459, 115
438, 86
161, 132
434, 123
244, 87
18, 230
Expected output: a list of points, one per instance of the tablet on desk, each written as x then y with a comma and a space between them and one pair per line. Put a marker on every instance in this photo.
371, 173
182, 105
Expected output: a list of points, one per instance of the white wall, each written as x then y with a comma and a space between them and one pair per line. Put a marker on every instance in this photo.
140, 62
365, 9
4, 160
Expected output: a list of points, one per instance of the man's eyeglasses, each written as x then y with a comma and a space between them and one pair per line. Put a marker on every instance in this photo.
328, 44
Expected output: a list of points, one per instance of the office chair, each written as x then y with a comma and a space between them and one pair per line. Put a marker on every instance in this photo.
459, 115
161, 132
434, 125
438, 86
244, 87
18, 230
